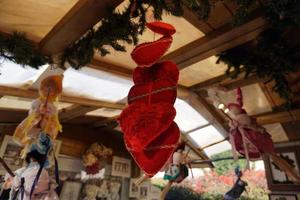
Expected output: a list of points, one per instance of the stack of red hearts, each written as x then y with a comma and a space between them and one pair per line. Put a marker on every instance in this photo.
150, 133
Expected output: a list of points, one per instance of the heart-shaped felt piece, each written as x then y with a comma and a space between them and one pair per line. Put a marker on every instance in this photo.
142, 123
161, 28
162, 90
166, 69
146, 54
154, 157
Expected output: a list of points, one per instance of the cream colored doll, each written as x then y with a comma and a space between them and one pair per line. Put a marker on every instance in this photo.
114, 191
91, 192
43, 114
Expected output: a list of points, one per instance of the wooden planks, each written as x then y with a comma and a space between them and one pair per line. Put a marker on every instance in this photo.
226, 81
83, 16
32, 94
278, 117
217, 41
74, 111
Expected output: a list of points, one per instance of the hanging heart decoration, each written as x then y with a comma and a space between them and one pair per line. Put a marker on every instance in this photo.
150, 134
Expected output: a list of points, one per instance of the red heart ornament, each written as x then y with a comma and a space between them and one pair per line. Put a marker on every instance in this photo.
166, 69
154, 157
142, 123
146, 54
161, 28
159, 91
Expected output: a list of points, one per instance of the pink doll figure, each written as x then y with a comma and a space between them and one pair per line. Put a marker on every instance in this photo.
250, 139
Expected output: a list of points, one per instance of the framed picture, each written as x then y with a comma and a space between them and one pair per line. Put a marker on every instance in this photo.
283, 197
121, 167
70, 190
10, 152
276, 178
144, 191
133, 188
154, 193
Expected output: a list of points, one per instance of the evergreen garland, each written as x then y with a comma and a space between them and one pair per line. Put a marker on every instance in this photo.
272, 57
18, 49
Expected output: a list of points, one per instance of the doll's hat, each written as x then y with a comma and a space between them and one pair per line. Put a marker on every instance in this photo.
54, 82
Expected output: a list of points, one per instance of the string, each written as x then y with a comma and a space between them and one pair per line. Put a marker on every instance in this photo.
150, 93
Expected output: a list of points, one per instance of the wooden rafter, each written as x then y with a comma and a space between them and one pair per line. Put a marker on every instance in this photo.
278, 117
74, 111
193, 19
32, 94
217, 41
226, 81
82, 16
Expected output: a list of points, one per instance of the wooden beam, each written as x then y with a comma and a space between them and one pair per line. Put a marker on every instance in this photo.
217, 41
82, 16
193, 19
109, 67
225, 81
278, 117
32, 94
199, 104
74, 111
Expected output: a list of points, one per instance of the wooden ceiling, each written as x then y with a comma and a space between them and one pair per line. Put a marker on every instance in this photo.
54, 25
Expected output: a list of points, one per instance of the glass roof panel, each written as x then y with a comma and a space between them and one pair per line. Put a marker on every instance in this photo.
187, 117
105, 112
206, 136
95, 84
15, 75
218, 148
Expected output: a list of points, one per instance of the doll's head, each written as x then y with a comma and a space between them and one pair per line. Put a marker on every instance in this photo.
180, 147
235, 109
51, 87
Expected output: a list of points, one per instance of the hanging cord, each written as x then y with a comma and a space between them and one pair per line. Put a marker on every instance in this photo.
20, 190
35, 182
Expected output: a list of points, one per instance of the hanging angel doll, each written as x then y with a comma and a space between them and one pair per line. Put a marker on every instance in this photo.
43, 114
177, 170
250, 139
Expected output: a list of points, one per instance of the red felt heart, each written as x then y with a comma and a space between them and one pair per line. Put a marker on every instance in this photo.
166, 69
146, 54
142, 123
154, 157
161, 28
162, 90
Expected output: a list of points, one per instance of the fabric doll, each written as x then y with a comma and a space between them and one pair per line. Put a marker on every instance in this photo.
26, 181
238, 188
114, 191
24, 178
103, 190
91, 192
251, 140
43, 114
177, 170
